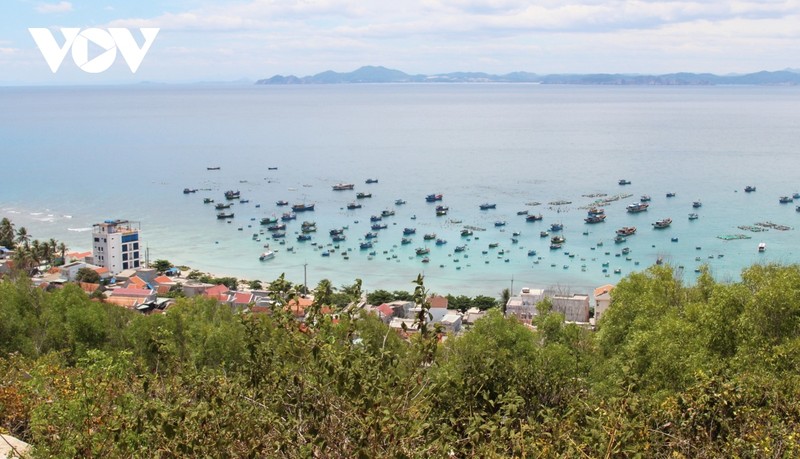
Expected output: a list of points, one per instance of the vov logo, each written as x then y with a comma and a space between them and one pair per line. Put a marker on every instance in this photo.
110, 40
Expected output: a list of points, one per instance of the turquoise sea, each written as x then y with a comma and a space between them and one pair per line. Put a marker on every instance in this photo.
74, 156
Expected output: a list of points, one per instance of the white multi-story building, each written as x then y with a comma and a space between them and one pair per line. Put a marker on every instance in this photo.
116, 245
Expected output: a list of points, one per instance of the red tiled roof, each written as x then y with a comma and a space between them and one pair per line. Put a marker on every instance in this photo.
242, 298
101, 271
79, 255
130, 292
125, 302
605, 288
437, 301
163, 289
136, 282
386, 310
163, 280
89, 288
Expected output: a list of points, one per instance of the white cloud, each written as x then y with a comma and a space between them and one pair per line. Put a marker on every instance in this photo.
60, 7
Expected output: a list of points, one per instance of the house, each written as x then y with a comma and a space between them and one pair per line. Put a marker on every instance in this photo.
147, 274
89, 288
241, 299
70, 270
472, 315
299, 305
130, 297
452, 322
219, 292
602, 300
85, 257
403, 325
400, 307
523, 307
191, 289
575, 307
136, 282
104, 273
385, 312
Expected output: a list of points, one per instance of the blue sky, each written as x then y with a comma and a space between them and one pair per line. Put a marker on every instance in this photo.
250, 39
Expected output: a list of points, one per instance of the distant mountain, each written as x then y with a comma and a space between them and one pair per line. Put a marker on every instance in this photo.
377, 74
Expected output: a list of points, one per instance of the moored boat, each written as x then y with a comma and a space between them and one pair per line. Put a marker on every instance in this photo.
664, 223
487, 206
230, 194
697, 204
223, 216
423, 251
343, 186
460, 248
693, 216
624, 182
189, 190
671, 195
637, 207
379, 226
595, 218
399, 202
762, 246
303, 237
556, 227
626, 230
434, 197
429, 236
645, 198
387, 213
534, 218
277, 227
749, 189
267, 255
363, 195
213, 168
405, 241
281, 203
207, 201
303, 207
371, 180
500, 223
466, 233
365, 245
408, 231
370, 235
353, 205
441, 242
269, 220
221, 206
785, 199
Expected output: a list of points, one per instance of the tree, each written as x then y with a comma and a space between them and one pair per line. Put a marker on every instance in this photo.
505, 295
161, 265
23, 238
7, 234
255, 285
379, 297
87, 275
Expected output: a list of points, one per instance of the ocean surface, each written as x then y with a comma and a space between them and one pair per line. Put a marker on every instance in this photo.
74, 156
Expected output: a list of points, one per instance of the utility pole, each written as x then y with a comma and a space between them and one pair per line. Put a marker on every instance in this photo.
305, 277
512, 285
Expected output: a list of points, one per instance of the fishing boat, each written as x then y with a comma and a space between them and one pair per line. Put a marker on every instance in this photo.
595, 218
423, 251
429, 236
626, 231
336, 231
279, 235
441, 242
493, 245
637, 207
353, 205
309, 229
387, 213
399, 202
303, 237
303, 207
189, 190
534, 218
244, 201
208, 201
338, 238
434, 197
626, 250
671, 195
466, 233
749, 189
365, 245
796, 196
276, 227
797, 208
269, 220
762, 246
223, 216
213, 168
522, 212
221, 206
544, 234
531, 253
442, 212
230, 194
556, 227
664, 223
697, 204
487, 206
644, 198
272, 168
624, 182
267, 255
693, 216
555, 245
379, 226
375, 218
409, 231
343, 186
558, 239
370, 235
288, 216
500, 223
405, 241
371, 180
620, 239
460, 248
785, 199
596, 211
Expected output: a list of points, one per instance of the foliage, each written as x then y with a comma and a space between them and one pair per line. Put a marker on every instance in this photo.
87, 275
161, 265
709, 370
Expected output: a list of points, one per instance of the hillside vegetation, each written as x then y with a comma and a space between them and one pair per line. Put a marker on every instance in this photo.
709, 370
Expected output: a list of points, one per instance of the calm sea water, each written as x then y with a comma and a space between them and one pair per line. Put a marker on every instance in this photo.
76, 156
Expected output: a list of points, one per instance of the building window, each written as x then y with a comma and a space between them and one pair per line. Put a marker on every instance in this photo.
136, 264
124, 257
125, 265
124, 247
135, 246
135, 255
97, 239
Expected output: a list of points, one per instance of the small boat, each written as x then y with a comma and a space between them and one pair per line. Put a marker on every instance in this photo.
365, 245
460, 248
208, 201
221, 206
267, 255
693, 216
303, 207
370, 235
272, 168
223, 216
213, 168
276, 227
522, 212
555, 246
303, 237
379, 226
441, 242
442, 212
493, 245
308, 224
762, 246
230, 194
637, 207
423, 251
796, 196
620, 239
534, 218
558, 239
674, 239
408, 231
671, 195
466, 233
797, 208
544, 234
405, 241
387, 213
244, 201
429, 236
785, 199
375, 218
596, 211
336, 231
189, 190
626, 231
697, 204
487, 206
426, 260
664, 223
500, 223
282, 203
288, 216
531, 253
644, 198
399, 202
626, 250
556, 227
749, 189
595, 218
434, 197
338, 237
343, 186
624, 182
353, 205
363, 195
371, 180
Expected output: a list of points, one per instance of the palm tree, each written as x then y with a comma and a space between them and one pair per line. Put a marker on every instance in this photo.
23, 237
23, 260
62, 248
7, 233
505, 295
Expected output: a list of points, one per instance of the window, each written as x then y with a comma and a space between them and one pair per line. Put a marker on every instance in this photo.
135, 255
125, 265
124, 247
124, 257
97, 239
135, 246
136, 264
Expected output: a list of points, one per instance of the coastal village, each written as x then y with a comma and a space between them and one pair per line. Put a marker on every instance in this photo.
125, 278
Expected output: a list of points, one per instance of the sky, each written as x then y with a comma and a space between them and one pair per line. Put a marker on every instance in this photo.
234, 40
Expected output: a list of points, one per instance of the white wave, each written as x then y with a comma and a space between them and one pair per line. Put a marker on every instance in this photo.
80, 230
